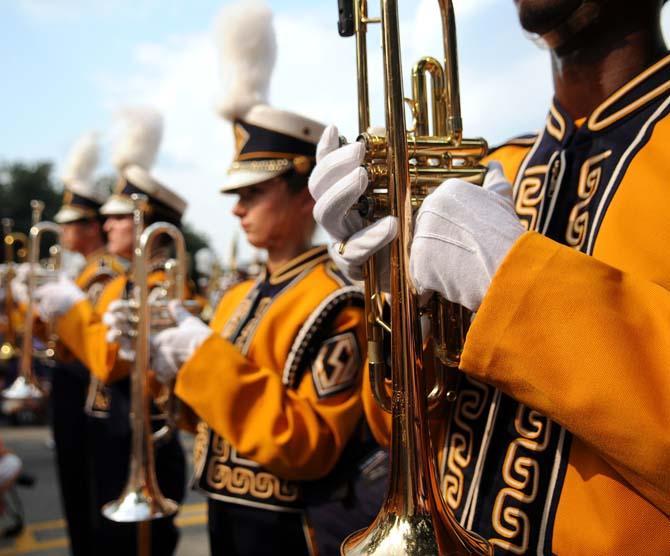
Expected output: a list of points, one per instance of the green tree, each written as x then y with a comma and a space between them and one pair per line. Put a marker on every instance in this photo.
195, 240
19, 184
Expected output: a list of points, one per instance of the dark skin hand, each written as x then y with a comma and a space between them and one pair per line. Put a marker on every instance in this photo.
596, 46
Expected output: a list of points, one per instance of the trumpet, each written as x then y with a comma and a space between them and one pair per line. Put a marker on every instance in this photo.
26, 387
141, 499
403, 165
16, 248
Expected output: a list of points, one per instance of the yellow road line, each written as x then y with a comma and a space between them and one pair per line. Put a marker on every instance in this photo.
26, 545
46, 525
189, 515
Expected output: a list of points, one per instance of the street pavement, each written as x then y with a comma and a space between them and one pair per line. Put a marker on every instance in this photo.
44, 534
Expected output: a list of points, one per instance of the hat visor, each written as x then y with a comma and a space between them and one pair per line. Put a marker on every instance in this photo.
68, 214
238, 179
117, 205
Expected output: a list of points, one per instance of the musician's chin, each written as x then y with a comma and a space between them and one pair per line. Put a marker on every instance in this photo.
254, 239
542, 16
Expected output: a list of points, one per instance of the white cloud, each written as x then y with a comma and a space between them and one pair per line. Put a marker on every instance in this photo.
315, 75
179, 77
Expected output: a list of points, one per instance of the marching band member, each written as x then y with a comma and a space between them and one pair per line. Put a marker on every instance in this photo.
80, 219
558, 442
276, 377
80, 328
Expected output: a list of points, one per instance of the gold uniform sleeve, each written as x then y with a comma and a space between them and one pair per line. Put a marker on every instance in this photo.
587, 345
82, 331
295, 433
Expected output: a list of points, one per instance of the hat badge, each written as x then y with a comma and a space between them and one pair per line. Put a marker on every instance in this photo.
241, 138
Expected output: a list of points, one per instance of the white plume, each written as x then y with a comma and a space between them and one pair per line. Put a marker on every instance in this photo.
82, 159
247, 45
141, 131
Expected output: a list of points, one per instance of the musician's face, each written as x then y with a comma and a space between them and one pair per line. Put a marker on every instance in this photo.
271, 215
120, 235
72, 232
78, 236
542, 16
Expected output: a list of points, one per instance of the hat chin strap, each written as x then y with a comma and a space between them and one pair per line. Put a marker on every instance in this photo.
585, 14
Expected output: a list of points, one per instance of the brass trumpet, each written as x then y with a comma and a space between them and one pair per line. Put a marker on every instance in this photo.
16, 248
141, 499
26, 387
403, 166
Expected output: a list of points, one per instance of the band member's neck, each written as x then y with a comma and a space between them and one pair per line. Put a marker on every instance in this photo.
91, 247
280, 255
591, 66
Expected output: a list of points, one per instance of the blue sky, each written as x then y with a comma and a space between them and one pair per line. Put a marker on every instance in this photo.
55, 53
68, 65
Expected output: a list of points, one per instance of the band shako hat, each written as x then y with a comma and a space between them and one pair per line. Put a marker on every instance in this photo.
133, 156
268, 142
82, 197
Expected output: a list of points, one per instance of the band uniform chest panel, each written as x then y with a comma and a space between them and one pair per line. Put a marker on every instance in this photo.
100, 270
596, 188
247, 317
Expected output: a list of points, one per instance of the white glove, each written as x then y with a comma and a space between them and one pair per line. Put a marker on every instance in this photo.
19, 283
121, 321
57, 298
461, 236
337, 182
172, 347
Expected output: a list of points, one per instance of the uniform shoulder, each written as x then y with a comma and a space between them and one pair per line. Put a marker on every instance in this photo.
111, 264
234, 294
335, 276
523, 142
511, 153
100, 268
241, 287
112, 261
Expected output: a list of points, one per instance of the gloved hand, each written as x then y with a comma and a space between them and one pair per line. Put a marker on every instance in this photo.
337, 182
121, 321
19, 283
172, 347
462, 234
54, 299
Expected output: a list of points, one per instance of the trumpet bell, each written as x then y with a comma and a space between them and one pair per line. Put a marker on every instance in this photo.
428, 532
139, 504
23, 390
393, 535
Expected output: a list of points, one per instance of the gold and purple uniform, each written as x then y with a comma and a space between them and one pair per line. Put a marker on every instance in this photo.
73, 447
559, 442
278, 386
108, 404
